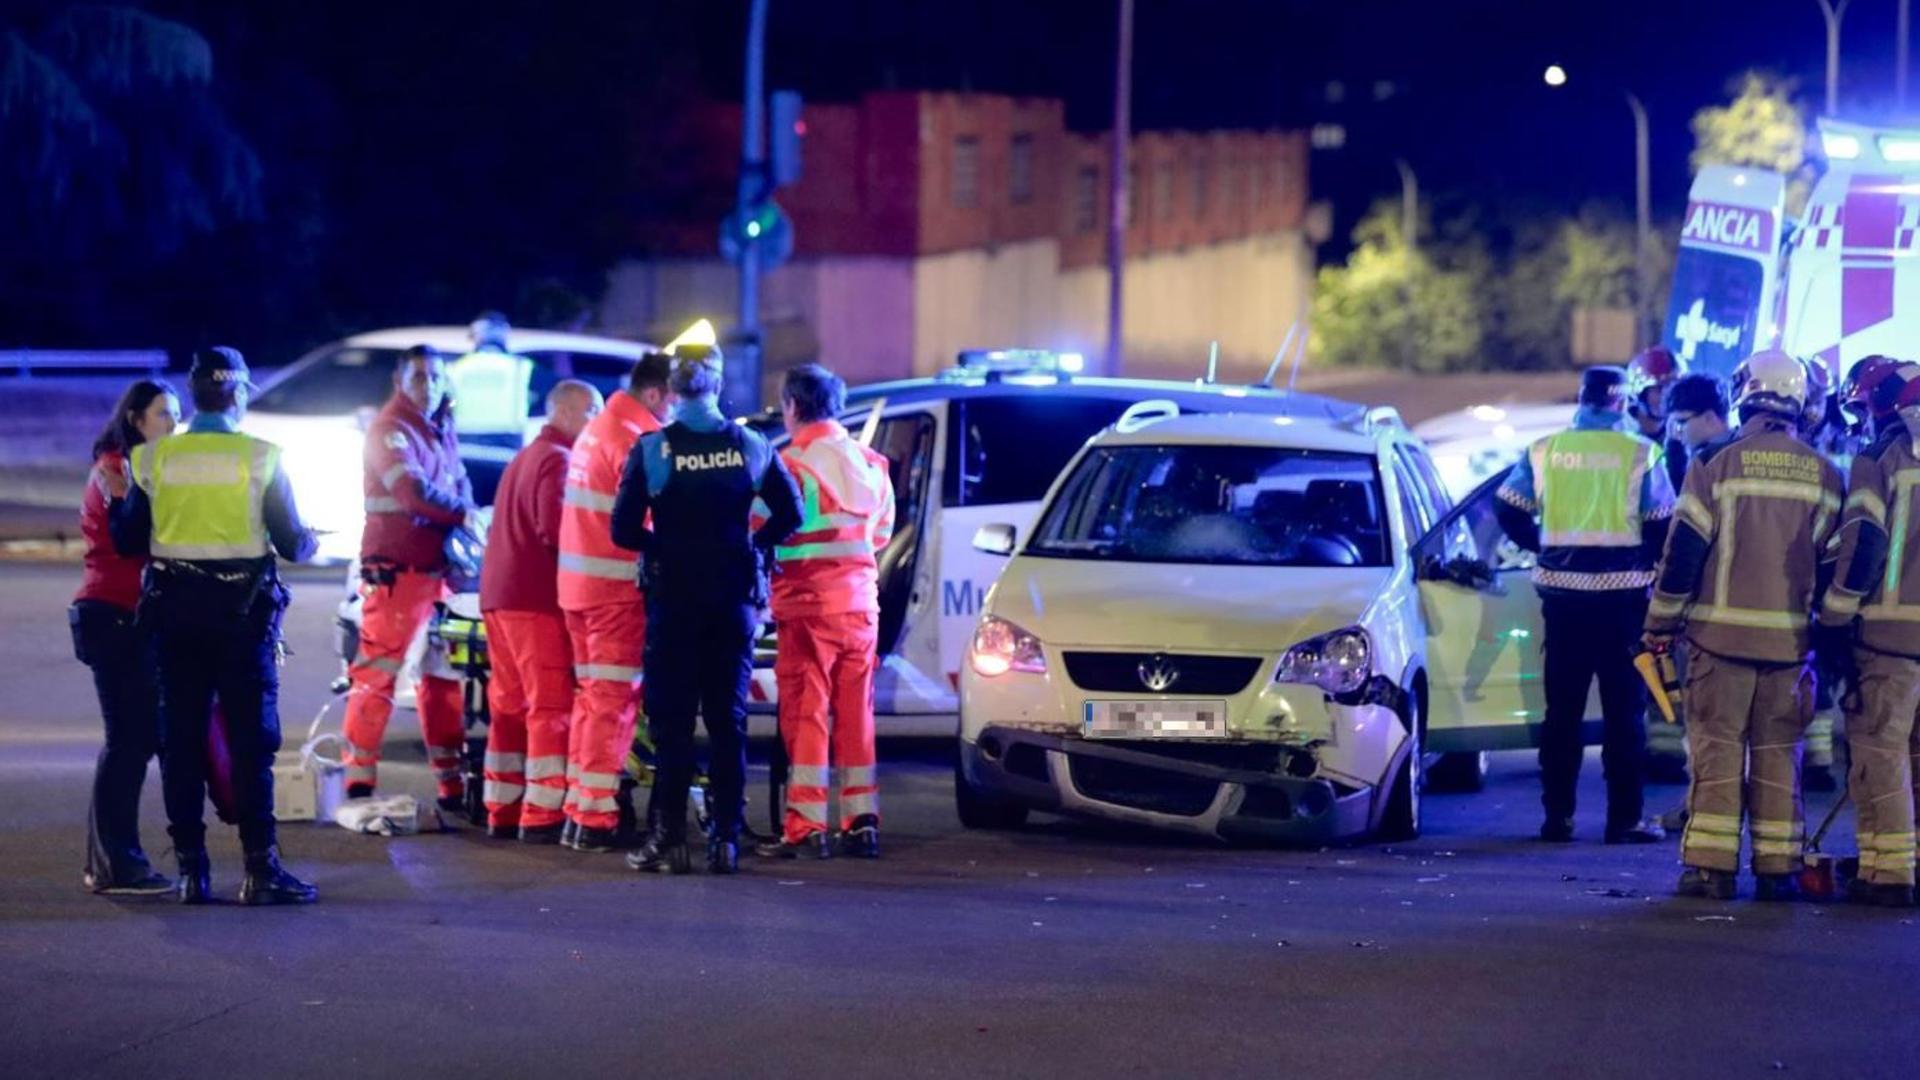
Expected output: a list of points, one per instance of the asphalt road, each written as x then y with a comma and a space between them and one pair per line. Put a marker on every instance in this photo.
1062, 950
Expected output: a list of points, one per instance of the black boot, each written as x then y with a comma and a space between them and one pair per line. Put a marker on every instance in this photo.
723, 856
1776, 888
545, 834
594, 841
861, 839
196, 877
267, 882
816, 846
1703, 884
661, 854
1879, 894
1818, 778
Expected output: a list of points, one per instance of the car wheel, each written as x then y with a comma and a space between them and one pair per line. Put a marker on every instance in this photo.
1458, 773
979, 810
1401, 821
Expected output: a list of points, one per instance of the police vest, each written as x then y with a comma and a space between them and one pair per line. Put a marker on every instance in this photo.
704, 484
490, 393
1590, 486
207, 490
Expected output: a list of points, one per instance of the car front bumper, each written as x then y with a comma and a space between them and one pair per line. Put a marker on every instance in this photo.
1123, 782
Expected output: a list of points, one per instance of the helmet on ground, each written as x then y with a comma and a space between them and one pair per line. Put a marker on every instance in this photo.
1654, 369
1871, 389
1770, 381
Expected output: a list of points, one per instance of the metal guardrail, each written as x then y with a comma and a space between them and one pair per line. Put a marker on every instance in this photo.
24, 362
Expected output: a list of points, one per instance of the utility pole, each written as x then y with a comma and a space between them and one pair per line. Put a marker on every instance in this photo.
1119, 185
1410, 237
1834, 12
1643, 224
744, 365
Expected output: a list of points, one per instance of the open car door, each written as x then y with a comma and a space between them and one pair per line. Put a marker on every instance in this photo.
1484, 631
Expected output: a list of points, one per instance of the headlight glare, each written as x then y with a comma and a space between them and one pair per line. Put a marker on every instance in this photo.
1000, 646
1339, 663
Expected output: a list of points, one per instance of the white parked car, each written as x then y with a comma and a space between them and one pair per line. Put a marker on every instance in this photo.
1246, 626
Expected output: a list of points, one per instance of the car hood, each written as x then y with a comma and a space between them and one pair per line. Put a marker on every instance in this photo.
322, 458
1163, 606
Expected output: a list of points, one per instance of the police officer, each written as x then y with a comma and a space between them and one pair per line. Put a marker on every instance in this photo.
1594, 501
1740, 574
699, 478
1873, 606
210, 508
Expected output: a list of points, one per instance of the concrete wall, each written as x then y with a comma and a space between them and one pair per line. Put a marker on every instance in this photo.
876, 317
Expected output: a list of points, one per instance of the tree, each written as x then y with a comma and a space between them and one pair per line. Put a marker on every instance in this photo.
1557, 266
1392, 306
1762, 127
111, 128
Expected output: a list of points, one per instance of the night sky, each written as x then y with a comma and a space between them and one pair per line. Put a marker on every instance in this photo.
417, 155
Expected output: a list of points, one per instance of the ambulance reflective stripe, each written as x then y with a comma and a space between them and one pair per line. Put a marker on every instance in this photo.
207, 491
1712, 832
610, 672
586, 499
590, 566
1595, 480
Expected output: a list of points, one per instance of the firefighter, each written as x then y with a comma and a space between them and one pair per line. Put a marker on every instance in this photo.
1752, 545
530, 688
826, 601
1870, 394
417, 493
1697, 423
491, 385
1874, 606
606, 616
684, 504
1650, 379
1594, 502
1816, 427
211, 508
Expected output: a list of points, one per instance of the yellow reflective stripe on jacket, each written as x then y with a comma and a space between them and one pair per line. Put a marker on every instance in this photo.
1869, 504
207, 490
1902, 520
1748, 617
1695, 513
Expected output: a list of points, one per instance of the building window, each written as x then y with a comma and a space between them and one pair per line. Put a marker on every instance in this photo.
1020, 170
1202, 187
1086, 199
1163, 192
966, 171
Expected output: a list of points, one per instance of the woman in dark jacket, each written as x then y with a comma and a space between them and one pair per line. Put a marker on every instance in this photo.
106, 639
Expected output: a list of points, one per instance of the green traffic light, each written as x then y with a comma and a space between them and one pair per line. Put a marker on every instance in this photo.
753, 229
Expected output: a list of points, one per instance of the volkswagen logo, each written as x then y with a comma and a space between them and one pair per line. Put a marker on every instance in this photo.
1158, 674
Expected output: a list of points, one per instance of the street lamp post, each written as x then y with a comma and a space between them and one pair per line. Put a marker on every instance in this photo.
1556, 76
1120, 198
1902, 29
1410, 236
1834, 12
744, 378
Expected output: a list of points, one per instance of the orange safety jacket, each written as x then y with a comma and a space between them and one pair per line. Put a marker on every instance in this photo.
830, 566
593, 570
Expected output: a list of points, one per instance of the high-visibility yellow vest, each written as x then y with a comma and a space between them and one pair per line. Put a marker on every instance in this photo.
207, 490
1589, 486
490, 393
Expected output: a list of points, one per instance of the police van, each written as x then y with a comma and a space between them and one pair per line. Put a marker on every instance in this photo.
981, 443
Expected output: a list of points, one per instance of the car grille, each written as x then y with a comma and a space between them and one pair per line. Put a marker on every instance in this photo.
1141, 787
1129, 673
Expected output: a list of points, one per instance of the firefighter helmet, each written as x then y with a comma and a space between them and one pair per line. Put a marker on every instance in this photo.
1772, 381
1655, 368
1819, 388
1871, 390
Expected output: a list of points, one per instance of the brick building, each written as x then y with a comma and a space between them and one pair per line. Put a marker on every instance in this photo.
930, 222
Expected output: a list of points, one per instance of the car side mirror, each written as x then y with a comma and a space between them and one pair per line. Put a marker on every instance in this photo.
996, 539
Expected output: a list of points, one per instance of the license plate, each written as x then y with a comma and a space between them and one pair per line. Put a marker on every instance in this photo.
1155, 720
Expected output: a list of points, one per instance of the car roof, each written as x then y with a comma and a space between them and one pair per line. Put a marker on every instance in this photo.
1352, 433
456, 339
1212, 397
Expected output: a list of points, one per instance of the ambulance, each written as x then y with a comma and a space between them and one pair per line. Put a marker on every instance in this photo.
1839, 284
979, 444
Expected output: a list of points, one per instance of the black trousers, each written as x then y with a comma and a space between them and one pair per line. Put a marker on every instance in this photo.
699, 659
108, 640
202, 657
1592, 636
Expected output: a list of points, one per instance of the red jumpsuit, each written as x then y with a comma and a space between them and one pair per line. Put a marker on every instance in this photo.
606, 614
826, 602
530, 691
417, 491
